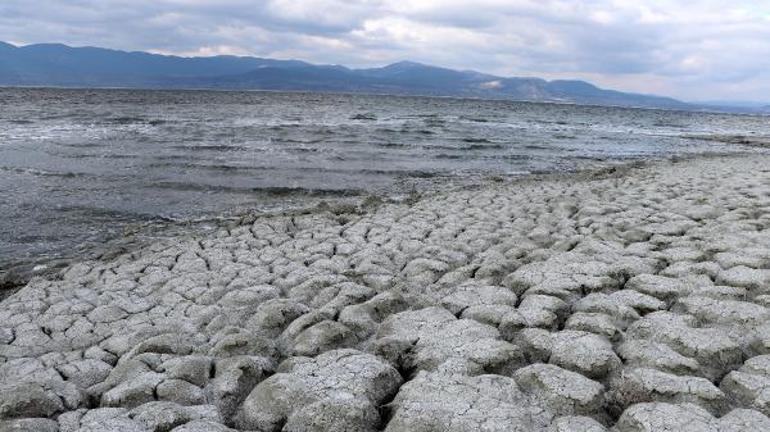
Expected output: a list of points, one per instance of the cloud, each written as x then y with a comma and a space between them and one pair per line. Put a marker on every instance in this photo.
700, 49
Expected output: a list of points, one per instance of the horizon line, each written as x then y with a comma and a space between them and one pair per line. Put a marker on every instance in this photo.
709, 102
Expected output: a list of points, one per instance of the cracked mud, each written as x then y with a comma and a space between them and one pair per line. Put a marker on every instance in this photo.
635, 301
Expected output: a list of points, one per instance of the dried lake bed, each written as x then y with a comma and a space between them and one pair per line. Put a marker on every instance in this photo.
630, 299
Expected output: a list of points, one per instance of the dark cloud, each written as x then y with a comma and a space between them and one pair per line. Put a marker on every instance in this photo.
698, 49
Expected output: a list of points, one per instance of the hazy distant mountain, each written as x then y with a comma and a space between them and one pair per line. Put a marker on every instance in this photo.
61, 65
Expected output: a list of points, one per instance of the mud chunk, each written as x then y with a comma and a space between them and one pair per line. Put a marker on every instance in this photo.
650, 354
28, 400
435, 401
432, 339
562, 391
659, 416
716, 352
647, 385
322, 337
341, 375
750, 385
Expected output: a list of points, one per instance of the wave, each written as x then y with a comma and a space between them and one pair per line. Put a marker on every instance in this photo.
535, 147
440, 147
132, 120
202, 166
392, 145
297, 141
419, 174
757, 141
485, 147
302, 150
418, 131
266, 190
437, 123
474, 119
211, 147
126, 120
96, 156
83, 144
589, 157
44, 173
320, 170
449, 156
663, 123
106, 213
364, 116
514, 157
120, 156
482, 145
398, 173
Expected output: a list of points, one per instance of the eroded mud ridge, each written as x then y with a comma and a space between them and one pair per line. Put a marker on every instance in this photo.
632, 302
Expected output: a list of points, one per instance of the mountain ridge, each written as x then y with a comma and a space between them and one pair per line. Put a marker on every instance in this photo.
65, 66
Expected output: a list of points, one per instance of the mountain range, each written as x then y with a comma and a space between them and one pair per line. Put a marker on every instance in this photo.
64, 66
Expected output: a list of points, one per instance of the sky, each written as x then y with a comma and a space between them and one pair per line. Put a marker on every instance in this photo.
694, 50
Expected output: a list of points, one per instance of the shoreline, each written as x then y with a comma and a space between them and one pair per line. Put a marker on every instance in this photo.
18, 274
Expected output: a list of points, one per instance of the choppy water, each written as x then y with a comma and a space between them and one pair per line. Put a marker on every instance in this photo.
78, 166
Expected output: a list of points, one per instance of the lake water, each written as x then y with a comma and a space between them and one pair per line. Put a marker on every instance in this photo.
78, 167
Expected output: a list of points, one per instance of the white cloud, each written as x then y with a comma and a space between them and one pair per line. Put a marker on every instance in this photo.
699, 49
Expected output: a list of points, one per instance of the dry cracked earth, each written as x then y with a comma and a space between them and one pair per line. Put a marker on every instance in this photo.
634, 301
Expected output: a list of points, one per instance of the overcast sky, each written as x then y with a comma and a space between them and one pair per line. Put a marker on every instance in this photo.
694, 50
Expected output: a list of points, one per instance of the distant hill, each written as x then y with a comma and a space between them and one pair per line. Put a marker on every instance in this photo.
64, 66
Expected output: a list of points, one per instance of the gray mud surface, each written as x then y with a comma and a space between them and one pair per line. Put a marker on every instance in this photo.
634, 300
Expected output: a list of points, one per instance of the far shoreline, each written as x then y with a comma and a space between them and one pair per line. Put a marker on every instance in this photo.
714, 111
